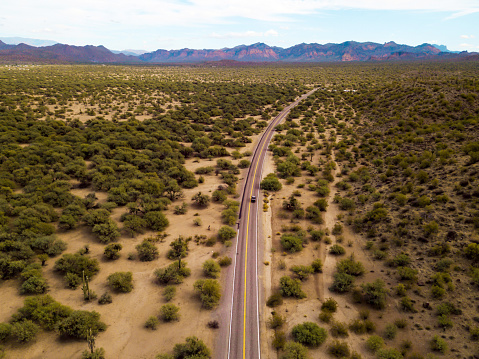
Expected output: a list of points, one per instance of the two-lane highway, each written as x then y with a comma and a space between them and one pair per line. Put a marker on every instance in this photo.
244, 328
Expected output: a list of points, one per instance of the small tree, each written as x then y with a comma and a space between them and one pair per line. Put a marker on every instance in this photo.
201, 200
290, 287
209, 291
211, 268
147, 251
309, 334
226, 233
112, 251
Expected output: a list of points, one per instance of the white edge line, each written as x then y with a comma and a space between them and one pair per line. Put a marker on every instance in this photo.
233, 292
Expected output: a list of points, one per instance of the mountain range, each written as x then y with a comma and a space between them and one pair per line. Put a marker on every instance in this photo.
259, 52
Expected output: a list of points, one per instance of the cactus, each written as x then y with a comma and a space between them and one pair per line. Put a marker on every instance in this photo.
85, 287
91, 340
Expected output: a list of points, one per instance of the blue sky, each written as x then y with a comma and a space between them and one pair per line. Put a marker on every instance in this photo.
176, 24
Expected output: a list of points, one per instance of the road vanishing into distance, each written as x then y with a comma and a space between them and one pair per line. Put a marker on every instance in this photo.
243, 335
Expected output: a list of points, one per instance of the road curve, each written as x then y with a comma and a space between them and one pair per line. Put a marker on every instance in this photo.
243, 336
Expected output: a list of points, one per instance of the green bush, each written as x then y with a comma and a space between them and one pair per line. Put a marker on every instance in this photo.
112, 251
337, 250
274, 300
374, 343
192, 348
317, 266
339, 349
342, 282
271, 183
350, 266
79, 322
339, 329
34, 285
97, 354
309, 334
169, 312
438, 344
224, 261
293, 350
291, 243
390, 331
290, 287
5, 330
302, 272
279, 340
105, 299
173, 274
226, 233
77, 264
211, 268
169, 293
276, 321
209, 291
329, 305
24, 331
147, 251
121, 281
375, 293
389, 354
152, 323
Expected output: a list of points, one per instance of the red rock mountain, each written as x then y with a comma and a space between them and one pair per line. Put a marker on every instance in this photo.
259, 52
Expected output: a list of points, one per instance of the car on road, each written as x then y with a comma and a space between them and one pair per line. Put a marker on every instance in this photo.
253, 199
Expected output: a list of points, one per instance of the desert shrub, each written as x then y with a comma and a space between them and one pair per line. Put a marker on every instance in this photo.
98, 353
121, 281
339, 329
390, 331
147, 251
276, 321
342, 282
302, 272
290, 287
74, 265
375, 294
350, 266
438, 344
209, 291
309, 334
271, 183
169, 312
337, 250
224, 261
211, 269
293, 350
192, 348
24, 331
274, 300
447, 308
374, 343
317, 266
279, 339
77, 324
329, 305
406, 273
105, 299
357, 326
474, 331
169, 292
337, 229
5, 330
152, 323
226, 233
400, 323
389, 354
339, 349
112, 251
317, 235
321, 204
156, 220
472, 252
291, 243
173, 274
407, 305
325, 317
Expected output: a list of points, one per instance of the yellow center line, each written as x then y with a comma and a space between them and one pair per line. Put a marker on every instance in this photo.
246, 239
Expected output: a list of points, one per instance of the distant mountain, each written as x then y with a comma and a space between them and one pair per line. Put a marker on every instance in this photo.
130, 52
28, 41
444, 48
259, 52
60, 53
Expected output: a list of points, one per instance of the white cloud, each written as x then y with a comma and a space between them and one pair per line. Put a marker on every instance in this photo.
467, 36
464, 45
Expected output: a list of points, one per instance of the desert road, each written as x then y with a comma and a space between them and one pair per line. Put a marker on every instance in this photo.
242, 339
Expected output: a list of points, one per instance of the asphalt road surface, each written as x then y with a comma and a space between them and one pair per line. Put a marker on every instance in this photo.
243, 335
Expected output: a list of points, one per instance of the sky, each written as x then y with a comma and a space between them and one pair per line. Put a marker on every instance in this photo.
204, 24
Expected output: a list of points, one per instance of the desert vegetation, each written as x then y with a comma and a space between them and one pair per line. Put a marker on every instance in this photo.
124, 182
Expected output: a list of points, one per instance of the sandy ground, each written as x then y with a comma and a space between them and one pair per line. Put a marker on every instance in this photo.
126, 336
